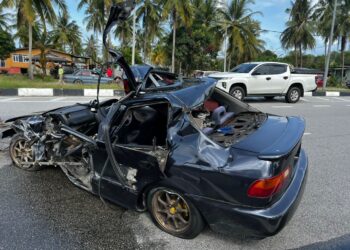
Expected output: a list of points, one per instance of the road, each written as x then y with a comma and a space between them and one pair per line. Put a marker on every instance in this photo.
43, 210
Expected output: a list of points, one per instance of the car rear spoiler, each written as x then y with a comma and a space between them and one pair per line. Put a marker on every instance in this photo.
287, 142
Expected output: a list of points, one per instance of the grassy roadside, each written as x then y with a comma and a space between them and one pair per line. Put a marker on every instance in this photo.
19, 81
340, 89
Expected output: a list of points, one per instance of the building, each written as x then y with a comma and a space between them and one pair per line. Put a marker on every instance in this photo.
18, 61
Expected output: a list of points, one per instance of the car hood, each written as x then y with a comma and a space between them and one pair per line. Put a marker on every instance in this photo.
275, 138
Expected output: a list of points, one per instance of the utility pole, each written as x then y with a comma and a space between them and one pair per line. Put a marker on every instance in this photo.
330, 46
133, 38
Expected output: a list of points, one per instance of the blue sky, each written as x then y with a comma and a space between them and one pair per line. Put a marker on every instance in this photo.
273, 18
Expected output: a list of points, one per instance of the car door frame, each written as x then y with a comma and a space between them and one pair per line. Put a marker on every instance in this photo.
158, 154
257, 83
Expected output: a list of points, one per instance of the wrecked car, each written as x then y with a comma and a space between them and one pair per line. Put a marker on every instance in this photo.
186, 151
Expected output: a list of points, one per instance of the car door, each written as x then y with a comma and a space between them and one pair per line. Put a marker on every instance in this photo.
269, 79
279, 78
259, 79
135, 160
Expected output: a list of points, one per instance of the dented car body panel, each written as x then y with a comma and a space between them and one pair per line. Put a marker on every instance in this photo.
193, 138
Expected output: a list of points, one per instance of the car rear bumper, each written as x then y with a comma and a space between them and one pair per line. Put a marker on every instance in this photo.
262, 222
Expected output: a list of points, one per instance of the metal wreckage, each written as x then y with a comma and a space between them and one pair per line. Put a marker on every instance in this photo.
189, 153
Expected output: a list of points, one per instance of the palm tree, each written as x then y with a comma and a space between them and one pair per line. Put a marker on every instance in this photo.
242, 30
96, 15
91, 48
28, 11
150, 14
180, 10
44, 42
124, 32
66, 34
300, 26
4, 20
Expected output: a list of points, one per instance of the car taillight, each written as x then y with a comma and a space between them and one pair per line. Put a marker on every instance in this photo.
265, 188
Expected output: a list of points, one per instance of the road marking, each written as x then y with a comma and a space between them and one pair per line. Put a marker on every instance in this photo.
342, 99
306, 133
321, 106
281, 107
57, 99
321, 98
42, 101
8, 99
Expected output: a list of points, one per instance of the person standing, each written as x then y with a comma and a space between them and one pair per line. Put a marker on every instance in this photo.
60, 74
109, 72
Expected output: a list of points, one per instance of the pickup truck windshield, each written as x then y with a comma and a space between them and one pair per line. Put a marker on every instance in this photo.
244, 68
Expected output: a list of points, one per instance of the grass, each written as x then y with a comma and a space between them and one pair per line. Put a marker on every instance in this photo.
20, 81
340, 89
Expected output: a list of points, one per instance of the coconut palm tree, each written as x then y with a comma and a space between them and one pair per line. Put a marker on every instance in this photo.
123, 32
66, 34
91, 48
43, 42
149, 13
300, 26
178, 11
5, 20
242, 30
28, 11
96, 15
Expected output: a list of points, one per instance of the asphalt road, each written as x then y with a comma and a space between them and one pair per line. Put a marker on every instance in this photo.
43, 210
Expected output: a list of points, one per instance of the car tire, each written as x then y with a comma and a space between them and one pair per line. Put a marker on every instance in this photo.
78, 81
237, 92
293, 95
173, 213
269, 98
20, 152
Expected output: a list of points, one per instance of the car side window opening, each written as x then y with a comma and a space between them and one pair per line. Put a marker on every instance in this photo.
262, 70
278, 69
143, 126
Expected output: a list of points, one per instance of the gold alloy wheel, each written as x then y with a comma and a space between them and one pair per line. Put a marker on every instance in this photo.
22, 154
171, 211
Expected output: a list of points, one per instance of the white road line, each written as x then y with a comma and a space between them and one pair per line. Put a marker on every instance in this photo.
57, 99
321, 106
281, 107
342, 99
42, 101
8, 99
321, 98
306, 133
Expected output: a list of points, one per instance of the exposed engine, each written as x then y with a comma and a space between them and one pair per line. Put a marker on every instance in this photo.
43, 141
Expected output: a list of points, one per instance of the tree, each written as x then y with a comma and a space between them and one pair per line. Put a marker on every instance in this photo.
28, 11
4, 20
242, 30
299, 31
124, 32
91, 48
7, 44
44, 42
96, 16
66, 34
150, 15
179, 11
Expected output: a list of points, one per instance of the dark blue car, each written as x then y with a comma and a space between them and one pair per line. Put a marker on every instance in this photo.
189, 153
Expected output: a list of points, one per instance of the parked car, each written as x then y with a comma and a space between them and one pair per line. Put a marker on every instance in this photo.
267, 79
184, 150
347, 84
202, 73
85, 77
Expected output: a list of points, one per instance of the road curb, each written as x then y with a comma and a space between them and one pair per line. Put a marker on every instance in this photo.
59, 92
110, 92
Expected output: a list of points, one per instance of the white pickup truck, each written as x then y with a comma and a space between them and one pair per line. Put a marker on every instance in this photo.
268, 79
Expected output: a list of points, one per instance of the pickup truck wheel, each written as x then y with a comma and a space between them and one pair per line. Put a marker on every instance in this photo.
237, 92
293, 95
